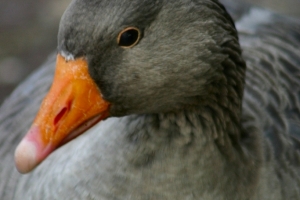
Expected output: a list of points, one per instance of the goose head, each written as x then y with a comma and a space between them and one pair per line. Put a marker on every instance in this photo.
118, 58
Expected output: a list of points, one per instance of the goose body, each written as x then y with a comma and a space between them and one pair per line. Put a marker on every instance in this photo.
185, 129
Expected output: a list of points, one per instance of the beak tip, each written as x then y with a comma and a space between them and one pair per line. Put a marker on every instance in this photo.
25, 156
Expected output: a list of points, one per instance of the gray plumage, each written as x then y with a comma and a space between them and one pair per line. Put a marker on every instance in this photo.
184, 127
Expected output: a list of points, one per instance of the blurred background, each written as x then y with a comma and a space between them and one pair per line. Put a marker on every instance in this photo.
28, 31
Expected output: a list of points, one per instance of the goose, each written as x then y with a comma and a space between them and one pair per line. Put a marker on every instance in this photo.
151, 99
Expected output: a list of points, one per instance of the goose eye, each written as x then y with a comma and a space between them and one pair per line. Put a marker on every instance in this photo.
129, 37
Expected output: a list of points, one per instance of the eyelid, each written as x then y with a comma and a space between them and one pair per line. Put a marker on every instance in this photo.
127, 29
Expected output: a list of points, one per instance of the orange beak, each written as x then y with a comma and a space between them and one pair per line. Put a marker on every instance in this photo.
73, 104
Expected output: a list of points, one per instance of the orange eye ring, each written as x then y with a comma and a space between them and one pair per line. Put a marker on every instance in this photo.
129, 37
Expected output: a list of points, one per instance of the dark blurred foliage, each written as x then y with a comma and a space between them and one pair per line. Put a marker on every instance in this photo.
28, 31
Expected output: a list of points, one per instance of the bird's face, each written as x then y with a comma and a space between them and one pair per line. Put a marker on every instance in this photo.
117, 58
145, 56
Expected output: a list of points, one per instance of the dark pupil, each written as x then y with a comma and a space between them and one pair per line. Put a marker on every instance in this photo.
129, 37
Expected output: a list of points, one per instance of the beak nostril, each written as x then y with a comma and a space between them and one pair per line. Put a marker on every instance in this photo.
60, 115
